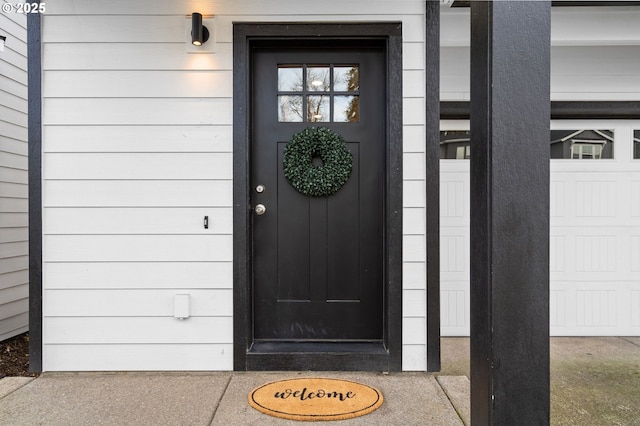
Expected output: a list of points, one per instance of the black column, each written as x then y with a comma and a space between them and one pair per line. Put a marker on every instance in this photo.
34, 53
510, 49
432, 149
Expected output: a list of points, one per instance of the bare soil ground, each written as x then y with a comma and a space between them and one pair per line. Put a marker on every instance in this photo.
14, 357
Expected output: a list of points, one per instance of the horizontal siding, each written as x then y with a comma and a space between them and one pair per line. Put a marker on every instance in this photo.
13, 280
13, 146
137, 302
14, 249
13, 104
137, 166
14, 190
12, 265
279, 8
139, 275
106, 55
14, 220
146, 357
138, 84
136, 139
137, 143
137, 248
13, 88
92, 221
16, 301
140, 193
137, 330
15, 325
12, 115
13, 131
171, 29
136, 111
14, 235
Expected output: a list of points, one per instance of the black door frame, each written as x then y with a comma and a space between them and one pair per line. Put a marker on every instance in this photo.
387, 357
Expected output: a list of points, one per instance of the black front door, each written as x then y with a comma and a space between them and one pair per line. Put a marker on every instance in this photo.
318, 262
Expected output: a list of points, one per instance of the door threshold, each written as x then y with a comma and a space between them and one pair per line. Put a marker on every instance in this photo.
372, 347
318, 356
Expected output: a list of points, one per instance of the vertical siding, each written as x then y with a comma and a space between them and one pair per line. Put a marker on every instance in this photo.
14, 261
137, 138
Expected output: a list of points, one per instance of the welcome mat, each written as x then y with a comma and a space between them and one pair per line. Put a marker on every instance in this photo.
315, 399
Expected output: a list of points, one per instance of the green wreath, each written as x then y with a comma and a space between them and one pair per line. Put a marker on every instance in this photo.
333, 162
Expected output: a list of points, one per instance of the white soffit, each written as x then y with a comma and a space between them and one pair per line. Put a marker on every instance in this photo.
570, 26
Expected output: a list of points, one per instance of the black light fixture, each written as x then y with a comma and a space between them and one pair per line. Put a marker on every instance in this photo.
199, 33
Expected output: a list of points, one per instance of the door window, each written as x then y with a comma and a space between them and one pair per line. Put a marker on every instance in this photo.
318, 93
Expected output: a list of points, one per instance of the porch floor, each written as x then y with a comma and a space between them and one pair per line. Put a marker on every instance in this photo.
594, 381
207, 399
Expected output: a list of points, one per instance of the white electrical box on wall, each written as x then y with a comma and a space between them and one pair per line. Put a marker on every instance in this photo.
181, 306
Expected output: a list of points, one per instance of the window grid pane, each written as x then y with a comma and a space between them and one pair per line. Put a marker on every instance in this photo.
290, 108
290, 78
318, 108
319, 79
327, 93
346, 109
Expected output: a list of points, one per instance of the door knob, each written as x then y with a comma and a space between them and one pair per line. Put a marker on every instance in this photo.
260, 209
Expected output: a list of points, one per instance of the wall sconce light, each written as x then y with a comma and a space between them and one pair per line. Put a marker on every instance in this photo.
2, 40
199, 33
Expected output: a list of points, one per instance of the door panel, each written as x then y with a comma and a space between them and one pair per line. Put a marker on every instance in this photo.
318, 261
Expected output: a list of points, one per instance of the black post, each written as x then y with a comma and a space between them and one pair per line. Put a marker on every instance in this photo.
34, 58
432, 151
510, 57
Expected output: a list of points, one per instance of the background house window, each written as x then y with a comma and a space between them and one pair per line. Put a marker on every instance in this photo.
455, 145
636, 144
582, 144
463, 152
580, 151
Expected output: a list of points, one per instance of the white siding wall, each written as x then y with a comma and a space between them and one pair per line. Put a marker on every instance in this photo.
14, 250
595, 205
137, 143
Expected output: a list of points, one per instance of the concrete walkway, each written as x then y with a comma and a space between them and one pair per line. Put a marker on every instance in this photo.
594, 381
212, 399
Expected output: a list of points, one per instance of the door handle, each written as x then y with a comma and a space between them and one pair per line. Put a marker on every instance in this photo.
260, 209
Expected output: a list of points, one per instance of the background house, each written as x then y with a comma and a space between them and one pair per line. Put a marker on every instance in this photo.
595, 205
137, 142
14, 260
582, 144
